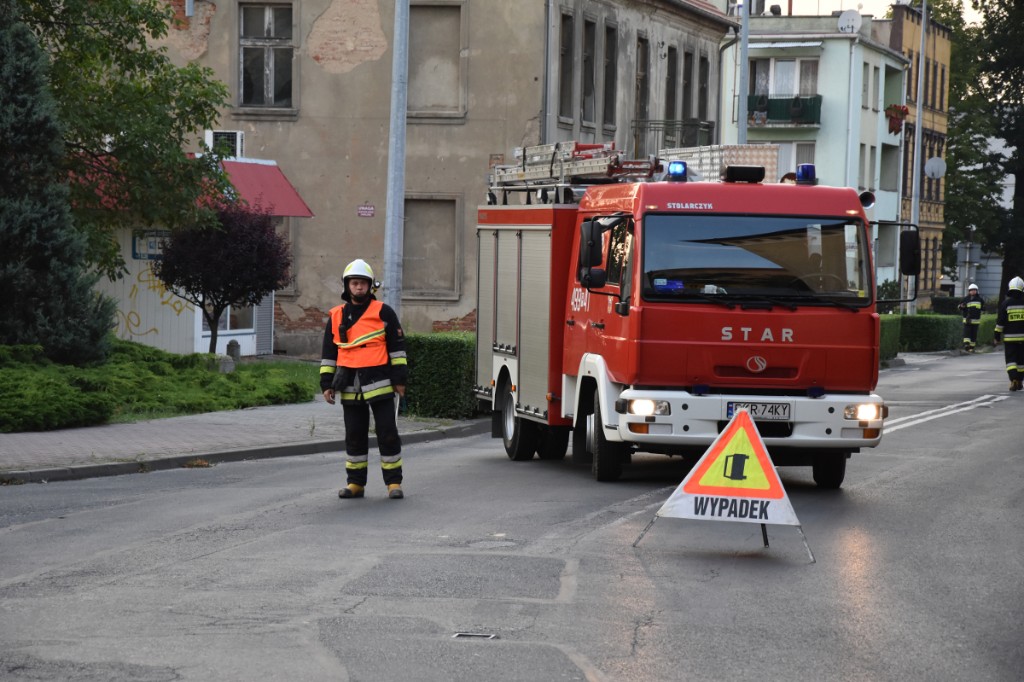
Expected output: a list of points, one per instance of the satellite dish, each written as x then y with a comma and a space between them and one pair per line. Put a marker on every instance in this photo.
849, 21
935, 168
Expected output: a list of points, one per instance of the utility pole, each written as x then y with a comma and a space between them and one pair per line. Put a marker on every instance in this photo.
395, 210
744, 74
915, 198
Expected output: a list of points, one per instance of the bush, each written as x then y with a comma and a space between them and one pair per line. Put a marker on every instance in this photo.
890, 337
945, 305
923, 333
137, 382
888, 290
441, 369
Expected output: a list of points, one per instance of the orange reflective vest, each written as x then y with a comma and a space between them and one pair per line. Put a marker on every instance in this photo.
365, 344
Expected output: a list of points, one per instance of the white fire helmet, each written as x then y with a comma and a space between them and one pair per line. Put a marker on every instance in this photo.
1017, 284
358, 268
973, 287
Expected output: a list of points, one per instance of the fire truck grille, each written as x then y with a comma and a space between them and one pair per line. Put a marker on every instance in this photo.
732, 372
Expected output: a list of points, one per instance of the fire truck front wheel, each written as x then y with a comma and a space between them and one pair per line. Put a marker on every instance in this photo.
581, 456
829, 469
519, 435
609, 457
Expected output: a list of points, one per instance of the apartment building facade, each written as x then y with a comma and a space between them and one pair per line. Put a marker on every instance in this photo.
310, 84
904, 36
818, 86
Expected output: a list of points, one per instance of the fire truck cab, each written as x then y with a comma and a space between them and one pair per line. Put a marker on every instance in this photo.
626, 307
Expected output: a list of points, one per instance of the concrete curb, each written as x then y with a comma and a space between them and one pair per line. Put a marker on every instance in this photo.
74, 473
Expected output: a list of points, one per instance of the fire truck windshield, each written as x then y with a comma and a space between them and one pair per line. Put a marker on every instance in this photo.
796, 259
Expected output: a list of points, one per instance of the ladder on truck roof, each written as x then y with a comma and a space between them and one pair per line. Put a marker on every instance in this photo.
563, 166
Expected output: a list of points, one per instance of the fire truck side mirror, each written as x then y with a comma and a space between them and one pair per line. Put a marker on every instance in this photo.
590, 244
593, 278
910, 253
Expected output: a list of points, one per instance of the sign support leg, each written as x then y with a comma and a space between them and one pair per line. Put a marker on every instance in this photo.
764, 534
644, 532
806, 546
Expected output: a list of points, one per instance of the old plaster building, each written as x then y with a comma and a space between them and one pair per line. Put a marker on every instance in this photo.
310, 84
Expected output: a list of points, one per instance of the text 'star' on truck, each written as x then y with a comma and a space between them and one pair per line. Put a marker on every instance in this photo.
636, 308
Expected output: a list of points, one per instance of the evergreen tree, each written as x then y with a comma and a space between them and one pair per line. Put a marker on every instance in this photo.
47, 295
234, 264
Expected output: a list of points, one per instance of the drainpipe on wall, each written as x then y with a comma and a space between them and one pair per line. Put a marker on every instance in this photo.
721, 60
849, 117
545, 81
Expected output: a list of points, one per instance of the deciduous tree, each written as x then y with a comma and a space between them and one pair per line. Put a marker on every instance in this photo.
129, 114
235, 263
1000, 55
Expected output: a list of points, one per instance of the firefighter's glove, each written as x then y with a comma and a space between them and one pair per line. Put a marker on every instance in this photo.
996, 338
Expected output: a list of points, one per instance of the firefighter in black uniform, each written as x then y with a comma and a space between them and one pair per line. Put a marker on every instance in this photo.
972, 307
1010, 328
364, 360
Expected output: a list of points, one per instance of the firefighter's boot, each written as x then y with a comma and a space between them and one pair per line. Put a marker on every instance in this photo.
395, 491
350, 491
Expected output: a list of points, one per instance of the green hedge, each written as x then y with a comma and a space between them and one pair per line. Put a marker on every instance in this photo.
923, 333
890, 336
441, 369
929, 332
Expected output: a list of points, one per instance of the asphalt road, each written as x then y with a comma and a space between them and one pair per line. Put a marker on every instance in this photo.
498, 570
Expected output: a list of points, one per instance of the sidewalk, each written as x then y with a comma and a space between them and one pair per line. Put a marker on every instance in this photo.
253, 433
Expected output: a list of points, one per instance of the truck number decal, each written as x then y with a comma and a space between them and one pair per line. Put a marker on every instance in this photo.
580, 300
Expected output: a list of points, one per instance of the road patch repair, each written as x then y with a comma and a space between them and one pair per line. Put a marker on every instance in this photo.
734, 480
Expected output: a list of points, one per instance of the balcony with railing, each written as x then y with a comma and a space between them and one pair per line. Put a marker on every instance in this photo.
780, 111
651, 135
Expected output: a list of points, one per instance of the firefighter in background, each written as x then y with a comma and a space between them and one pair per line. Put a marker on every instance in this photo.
1010, 329
971, 307
364, 360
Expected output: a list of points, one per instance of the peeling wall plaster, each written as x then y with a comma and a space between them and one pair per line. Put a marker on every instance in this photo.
346, 35
192, 37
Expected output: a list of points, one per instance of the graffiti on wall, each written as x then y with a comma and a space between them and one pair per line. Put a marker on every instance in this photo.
130, 321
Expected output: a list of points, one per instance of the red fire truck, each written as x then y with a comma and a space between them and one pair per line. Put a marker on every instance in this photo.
628, 306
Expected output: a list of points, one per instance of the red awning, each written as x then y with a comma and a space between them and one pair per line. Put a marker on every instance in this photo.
262, 183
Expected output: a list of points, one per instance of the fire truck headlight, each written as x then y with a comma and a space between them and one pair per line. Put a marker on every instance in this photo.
646, 408
862, 413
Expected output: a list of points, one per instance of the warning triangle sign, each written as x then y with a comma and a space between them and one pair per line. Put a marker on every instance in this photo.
735, 480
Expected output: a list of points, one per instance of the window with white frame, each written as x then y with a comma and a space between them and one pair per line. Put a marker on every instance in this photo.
233, 319
792, 154
778, 77
266, 55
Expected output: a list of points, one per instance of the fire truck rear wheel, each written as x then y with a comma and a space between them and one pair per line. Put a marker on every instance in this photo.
552, 442
609, 457
519, 435
829, 470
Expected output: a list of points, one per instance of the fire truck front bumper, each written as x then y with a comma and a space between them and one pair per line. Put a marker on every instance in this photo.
679, 418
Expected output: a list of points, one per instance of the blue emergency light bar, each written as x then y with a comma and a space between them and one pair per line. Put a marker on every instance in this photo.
806, 174
676, 171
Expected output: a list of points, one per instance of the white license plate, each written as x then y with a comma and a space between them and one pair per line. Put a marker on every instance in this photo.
762, 411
